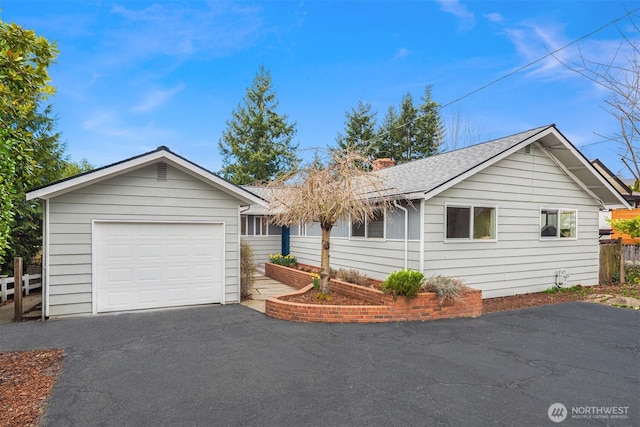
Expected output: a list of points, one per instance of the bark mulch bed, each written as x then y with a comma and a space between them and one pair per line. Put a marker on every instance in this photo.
315, 297
26, 381
577, 293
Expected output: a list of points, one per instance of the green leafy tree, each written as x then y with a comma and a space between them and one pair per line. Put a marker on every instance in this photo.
359, 131
630, 226
257, 144
28, 145
413, 132
76, 168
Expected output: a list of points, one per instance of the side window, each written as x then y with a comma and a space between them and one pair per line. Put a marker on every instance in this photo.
558, 223
243, 225
470, 223
372, 228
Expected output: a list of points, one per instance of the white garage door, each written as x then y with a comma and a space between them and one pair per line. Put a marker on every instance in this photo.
151, 265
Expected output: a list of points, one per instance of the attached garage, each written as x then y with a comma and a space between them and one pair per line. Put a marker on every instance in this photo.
153, 231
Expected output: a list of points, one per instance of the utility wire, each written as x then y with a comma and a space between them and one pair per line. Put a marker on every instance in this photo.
516, 71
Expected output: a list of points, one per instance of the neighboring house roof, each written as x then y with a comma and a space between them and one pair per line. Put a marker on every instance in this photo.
161, 154
432, 175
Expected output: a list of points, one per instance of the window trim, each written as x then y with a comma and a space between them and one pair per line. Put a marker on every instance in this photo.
557, 237
260, 219
470, 239
366, 228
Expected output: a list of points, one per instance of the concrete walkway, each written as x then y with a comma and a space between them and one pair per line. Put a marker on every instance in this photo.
263, 289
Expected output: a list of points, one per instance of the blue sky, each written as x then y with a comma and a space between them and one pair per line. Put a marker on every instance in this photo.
134, 75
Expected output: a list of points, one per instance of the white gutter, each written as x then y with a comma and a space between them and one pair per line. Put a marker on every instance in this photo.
406, 233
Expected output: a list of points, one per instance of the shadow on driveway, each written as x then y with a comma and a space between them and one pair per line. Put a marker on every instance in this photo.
230, 365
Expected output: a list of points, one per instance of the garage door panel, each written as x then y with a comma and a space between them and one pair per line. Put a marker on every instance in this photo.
152, 265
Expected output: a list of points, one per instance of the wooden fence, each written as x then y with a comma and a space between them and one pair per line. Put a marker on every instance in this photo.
29, 282
611, 264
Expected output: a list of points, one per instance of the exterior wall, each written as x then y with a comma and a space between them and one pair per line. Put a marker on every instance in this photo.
519, 261
376, 258
137, 195
263, 246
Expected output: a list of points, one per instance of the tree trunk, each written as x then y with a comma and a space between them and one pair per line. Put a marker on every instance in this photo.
325, 269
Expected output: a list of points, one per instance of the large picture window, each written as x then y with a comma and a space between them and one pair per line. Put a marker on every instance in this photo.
372, 228
558, 223
470, 222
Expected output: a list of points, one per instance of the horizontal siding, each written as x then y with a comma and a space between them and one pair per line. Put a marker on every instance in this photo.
519, 261
375, 258
137, 195
263, 246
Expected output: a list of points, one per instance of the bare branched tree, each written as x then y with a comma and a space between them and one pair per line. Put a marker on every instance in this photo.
325, 194
620, 75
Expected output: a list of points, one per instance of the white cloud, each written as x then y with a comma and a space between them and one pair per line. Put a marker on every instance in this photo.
175, 29
494, 17
402, 52
156, 98
467, 19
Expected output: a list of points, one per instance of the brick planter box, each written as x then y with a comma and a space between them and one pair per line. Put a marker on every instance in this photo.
424, 306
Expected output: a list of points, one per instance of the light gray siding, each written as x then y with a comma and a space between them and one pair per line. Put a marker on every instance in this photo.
263, 246
376, 258
519, 261
136, 195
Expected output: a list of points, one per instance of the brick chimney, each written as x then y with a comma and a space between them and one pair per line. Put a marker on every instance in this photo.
382, 163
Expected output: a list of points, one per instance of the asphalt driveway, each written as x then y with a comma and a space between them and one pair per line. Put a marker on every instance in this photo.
230, 365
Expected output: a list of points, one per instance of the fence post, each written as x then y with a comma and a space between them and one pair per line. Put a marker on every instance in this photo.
622, 280
3, 288
17, 289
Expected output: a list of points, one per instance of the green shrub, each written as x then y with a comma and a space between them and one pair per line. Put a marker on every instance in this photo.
447, 288
284, 260
247, 268
632, 274
352, 276
403, 282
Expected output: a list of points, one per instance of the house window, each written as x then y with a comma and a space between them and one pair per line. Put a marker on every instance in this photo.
260, 226
372, 228
243, 225
558, 223
470, 223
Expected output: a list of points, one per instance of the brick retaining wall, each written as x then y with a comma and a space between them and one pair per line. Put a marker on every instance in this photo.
424, 306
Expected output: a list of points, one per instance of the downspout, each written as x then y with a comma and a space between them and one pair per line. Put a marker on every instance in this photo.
45, 259
422, 219
241, 209
406, 233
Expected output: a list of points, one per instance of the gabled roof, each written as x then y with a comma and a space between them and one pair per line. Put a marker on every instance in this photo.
161, 154
432, 175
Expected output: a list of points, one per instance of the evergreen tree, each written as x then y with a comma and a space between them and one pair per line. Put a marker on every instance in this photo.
359, 130
257, 144
413, 133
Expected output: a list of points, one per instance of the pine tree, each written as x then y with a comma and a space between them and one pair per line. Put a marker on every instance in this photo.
257, 144
359, 130
413, 133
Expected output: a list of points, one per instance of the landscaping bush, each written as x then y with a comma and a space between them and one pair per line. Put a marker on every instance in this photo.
632, 274
403, 282
284, 260
352, 276
247, 268
447, 288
